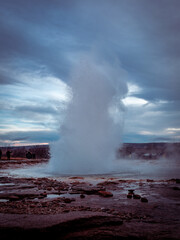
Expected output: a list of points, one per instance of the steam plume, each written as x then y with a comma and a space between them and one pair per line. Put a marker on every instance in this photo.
92, 128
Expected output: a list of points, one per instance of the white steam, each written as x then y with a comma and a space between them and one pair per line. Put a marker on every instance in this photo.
92, 128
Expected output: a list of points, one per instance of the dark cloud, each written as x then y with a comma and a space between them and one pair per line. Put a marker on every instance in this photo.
30, 136
36, 109
26, 39
144, 34
6, 79
49, 36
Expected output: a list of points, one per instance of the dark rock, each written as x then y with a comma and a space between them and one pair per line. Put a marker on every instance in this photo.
32, 206
68, 200
143, 199
40, 197
131, 191
76, 183
76, 178
104, 209
44, 204
13, 198
136, 196
105, 194
107, 183
66, 211
129, 195
176, 188
150, 180
82, 196
44, 194
38, 182
86, 190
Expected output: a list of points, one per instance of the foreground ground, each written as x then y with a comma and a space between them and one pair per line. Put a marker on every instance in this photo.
98, 207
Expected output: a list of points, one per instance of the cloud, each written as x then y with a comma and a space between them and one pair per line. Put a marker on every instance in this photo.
134, 101
151, 122
37, 109
35, 103
42, 40
144, 34
26, 137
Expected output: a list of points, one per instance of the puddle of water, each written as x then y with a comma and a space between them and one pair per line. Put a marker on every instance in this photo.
4, 200
126, 169
66, 195
53, 196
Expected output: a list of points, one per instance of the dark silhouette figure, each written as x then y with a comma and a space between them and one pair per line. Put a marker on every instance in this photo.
8, 154
0, 153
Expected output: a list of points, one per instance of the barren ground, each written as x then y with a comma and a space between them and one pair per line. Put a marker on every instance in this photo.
87, 208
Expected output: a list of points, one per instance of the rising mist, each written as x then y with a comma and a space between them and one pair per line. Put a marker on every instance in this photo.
92, 128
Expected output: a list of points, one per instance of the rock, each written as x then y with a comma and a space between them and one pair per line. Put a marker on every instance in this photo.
32, 206
176, 188
13, 198
68, 200
131, 191
44, 204
104, 209
105, 194
136, 196
38, 182
150, 180
107, 183
40, 197
44, 194
76, 178
82, 196
86, 190
143, 199
76, 183
129, 195
122, 181
66, 211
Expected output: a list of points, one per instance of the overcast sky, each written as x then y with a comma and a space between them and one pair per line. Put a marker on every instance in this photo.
41, 41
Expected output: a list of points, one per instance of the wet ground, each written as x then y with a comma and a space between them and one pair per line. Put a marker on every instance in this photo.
87, 207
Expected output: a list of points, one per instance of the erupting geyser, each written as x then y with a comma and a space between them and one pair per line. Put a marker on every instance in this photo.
92, 129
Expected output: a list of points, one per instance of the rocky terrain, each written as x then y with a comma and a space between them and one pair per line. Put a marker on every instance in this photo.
97, 207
